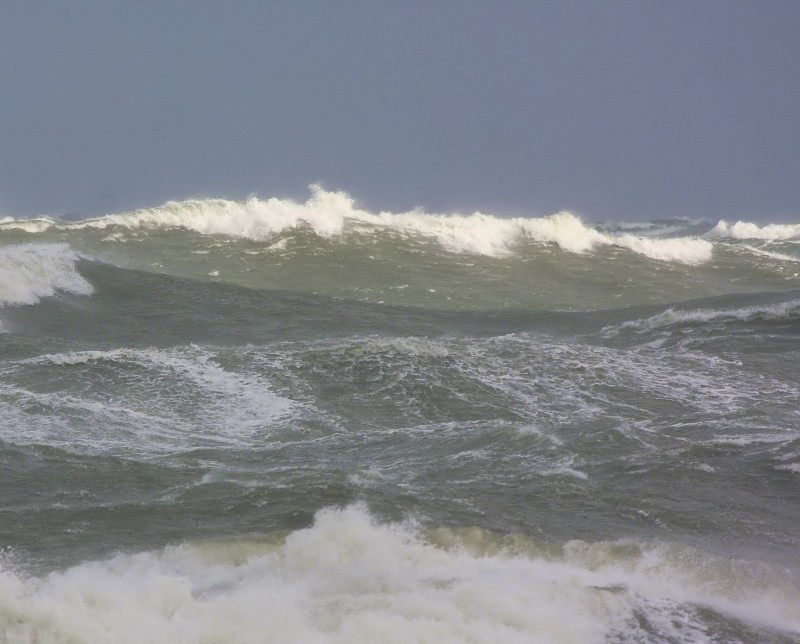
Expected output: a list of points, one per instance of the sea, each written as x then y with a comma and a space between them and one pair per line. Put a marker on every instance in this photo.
277, 420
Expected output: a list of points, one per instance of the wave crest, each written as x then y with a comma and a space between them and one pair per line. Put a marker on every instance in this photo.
748, 230
330, 214
29, 272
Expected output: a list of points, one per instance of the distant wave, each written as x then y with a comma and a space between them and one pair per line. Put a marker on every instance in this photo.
747, 230
331, 214
35, 225
29, 272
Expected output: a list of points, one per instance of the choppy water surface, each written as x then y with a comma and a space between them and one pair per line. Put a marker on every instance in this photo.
280, 421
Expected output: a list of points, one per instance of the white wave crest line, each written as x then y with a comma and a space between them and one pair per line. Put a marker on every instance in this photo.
34, 225
330, 214
748, 230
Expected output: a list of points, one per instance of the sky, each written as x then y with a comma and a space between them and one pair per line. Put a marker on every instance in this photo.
620, 109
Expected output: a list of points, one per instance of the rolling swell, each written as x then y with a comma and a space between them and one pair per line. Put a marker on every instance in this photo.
381, 269
98, 302
329, 246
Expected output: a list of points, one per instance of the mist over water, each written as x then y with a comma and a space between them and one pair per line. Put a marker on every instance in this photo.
282, 421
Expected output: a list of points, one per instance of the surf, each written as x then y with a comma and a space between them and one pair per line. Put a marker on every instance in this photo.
332, 214
30, 272
349, 577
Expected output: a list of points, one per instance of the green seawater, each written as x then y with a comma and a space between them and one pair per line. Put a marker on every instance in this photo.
305, 437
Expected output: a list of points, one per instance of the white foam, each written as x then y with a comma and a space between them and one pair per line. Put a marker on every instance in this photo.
324, 213
679, 249
35, 225
330, 214
29, 272
748, 230
349, 579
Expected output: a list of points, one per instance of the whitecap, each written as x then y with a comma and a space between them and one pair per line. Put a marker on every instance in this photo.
332, 214
749, 230
29, 272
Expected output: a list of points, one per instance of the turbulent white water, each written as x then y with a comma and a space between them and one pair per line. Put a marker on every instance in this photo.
29, 272
350, 579
272, 421
335, 213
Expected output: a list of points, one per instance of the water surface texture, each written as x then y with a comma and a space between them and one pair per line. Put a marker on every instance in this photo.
280, 421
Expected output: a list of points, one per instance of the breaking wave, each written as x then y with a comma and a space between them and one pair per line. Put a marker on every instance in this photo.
748, 230
29, 272
330, 214
348, 578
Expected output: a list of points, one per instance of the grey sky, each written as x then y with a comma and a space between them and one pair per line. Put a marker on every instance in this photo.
614, 109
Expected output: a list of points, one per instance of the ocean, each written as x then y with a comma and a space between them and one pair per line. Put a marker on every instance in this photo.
286, 421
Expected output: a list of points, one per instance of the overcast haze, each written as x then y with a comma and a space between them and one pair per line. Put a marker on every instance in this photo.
614, 109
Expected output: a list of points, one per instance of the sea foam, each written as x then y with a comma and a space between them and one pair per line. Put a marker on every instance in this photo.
748, 230
29, 272
331, 213
348, 578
